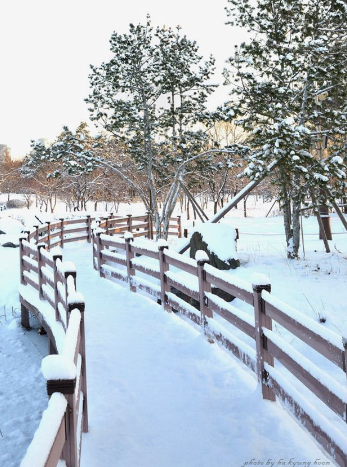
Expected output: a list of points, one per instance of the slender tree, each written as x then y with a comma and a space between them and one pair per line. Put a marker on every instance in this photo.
289, 93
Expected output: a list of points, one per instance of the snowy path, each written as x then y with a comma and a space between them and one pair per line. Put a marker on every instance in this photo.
161, 396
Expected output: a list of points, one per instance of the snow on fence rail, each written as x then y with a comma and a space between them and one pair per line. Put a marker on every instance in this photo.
191, 292
48, 290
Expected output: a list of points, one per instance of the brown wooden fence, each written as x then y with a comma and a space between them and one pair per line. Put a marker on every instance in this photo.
72, 230
182, 284
48, 291
158, 271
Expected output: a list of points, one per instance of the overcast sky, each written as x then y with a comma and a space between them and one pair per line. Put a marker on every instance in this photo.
47, 47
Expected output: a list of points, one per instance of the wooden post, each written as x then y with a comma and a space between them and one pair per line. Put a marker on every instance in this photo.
129, 257
67, 274
21, 264
40, 264
48, 235
89, 228
36, 233
28, 235
25, 317
62, 232
98, 253
185, 233
56, 280
263, 356
82, 351
204, 287
179, 226
106, 225
163, 267
130, 223
95, 249
149, 225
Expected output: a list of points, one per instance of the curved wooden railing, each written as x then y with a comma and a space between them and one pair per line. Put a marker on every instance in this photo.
182, 284
48, 291
64, 231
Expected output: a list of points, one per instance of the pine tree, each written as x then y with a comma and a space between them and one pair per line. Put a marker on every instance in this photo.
151, 96
290, 93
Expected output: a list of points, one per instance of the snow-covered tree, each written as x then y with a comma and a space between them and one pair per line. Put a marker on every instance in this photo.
151, 96
290, 94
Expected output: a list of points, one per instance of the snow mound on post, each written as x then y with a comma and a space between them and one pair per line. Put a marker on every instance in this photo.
201, 255
220, 238
58, 367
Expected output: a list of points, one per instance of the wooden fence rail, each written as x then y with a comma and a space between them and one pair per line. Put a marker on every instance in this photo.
182, 284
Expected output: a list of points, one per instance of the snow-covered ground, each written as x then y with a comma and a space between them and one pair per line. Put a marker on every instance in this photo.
170, 397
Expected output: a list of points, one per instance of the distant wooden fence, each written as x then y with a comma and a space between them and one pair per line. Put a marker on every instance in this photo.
129, 261
48, 291
65, 230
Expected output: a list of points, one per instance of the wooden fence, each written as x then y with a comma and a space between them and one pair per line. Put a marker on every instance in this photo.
48, 291
162, 273
65, 230
182, 284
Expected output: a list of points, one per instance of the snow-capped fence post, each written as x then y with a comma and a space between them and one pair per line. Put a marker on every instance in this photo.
66, 275
98, 252
261, 320
40, 273
61, 232
95, 249
163, 268
179, 226
66, 386
21, 263
28, 235
128, 237
89, 228
36, 227
48, 235
24, 311
55, 257
130, 223
107, 225
80, 306
204, 286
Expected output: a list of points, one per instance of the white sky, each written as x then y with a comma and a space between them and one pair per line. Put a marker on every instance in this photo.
47, 46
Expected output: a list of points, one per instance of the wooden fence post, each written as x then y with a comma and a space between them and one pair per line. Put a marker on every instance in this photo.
163, 268
82, 350
89, 228
150, 225
67, 387
36, 227
95, 249
129, 256
204, 287
40, 274
67, 274
263, 356
130, 223
56, 280
48, 235
179, 226
21, 264
98, 253
62, 232
106, 224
